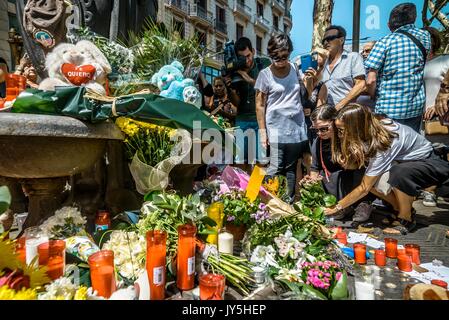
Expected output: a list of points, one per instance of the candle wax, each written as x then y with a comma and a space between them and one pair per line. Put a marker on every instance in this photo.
103, 280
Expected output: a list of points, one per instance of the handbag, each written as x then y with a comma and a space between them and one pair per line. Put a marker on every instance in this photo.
437, 126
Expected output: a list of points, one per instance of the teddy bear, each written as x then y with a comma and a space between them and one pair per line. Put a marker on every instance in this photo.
81, 64
170, 81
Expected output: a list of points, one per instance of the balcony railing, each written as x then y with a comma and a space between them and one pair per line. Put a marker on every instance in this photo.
200, 12
288, 16
243, 9
221, 26
278, 4
262, 22
181, 5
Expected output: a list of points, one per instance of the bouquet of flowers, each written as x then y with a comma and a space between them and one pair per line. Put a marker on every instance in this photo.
151, 143
129, 253
65, 223
239, 210
313, 198
276, 185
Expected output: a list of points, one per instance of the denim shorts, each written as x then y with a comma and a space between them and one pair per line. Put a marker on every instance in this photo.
250, 149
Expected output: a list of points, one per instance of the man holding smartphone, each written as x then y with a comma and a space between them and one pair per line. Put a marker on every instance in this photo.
344, 73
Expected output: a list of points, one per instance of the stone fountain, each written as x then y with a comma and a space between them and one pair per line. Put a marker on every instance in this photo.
41, 152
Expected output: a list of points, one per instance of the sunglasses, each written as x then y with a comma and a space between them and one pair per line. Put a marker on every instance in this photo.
322, 129
330, 38
280, 58
340, 131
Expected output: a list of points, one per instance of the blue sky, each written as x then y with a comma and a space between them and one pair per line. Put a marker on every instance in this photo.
373, 20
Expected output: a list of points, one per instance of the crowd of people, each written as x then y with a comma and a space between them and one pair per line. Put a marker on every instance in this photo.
356, 119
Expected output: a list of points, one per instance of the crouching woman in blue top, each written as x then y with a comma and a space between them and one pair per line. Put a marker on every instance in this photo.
400, 162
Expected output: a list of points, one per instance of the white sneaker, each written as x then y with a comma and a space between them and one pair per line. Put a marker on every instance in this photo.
429, 199
362, 212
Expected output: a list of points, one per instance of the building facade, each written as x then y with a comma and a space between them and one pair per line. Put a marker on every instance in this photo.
8, 20
217, 21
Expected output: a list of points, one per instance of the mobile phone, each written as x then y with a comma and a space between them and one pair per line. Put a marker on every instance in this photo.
308, 61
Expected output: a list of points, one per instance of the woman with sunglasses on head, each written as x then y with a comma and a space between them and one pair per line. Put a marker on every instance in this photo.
280, 113
336, 180
400, 162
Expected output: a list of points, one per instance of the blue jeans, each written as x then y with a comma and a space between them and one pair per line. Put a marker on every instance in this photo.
249, 151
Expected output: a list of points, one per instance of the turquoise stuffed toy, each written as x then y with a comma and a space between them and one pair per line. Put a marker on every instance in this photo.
171, 82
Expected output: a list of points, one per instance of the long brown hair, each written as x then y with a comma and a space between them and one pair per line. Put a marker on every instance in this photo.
364, 135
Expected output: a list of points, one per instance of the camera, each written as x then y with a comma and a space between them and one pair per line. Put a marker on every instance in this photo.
232, 63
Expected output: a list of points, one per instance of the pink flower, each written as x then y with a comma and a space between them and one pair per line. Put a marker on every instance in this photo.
338, 276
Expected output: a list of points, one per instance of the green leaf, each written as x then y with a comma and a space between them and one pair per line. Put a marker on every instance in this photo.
318, 213
5, 199
208, 221
301, 234
340, 291
150, 196
329, 200
313, 293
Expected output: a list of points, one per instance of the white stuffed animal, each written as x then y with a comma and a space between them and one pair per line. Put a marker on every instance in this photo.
82, 64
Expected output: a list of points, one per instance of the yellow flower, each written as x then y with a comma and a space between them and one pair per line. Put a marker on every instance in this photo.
25, 294
272, 185
81, 294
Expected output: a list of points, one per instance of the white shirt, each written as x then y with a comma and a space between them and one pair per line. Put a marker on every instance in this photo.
408, 146
434, 73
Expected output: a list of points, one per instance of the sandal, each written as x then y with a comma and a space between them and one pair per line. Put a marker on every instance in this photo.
401, 226
388, 220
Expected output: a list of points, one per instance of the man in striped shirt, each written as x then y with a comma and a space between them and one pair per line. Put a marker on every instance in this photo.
396, 64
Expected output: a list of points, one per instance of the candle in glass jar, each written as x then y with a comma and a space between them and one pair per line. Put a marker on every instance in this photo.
391, 247
225, 242
102, 274
405, 263
212, 286
413, 250
342, 238
155, 263
360, 253
380, 258
185, 275
364, 290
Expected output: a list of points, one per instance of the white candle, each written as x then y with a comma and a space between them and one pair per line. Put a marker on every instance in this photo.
31, 248
364, 291
225, 243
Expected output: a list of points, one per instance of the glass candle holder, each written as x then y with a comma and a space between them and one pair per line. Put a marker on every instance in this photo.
212, 286
155, 263
360, 253
102, 274
52, 255
414, 251
440, 283
401, 252
20, 249
380, 258
364, 290
391, 247
342, 238
185, 275
14, 85
34, 237
216, 212
405, 263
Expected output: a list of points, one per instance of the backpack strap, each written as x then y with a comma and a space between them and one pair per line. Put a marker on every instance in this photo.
416, 42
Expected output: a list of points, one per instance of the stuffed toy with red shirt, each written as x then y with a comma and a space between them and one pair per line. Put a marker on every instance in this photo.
81, 64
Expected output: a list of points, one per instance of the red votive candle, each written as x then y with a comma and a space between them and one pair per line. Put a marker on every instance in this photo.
360, 253
52, 255
440, 283
402, 252
405, 263
155, 263
102, 274
342, 238
212, 286
21, 249
391, 247
380, 258
185, 276
413, 250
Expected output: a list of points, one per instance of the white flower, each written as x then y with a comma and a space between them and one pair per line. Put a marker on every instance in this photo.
264, 256
62, 288
129, 252
67, 218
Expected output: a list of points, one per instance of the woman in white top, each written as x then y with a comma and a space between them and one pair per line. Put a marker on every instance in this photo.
401, 162
280, 112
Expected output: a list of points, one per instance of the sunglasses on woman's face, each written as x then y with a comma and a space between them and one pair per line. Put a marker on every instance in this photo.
277, 58
321, 129
330, 38
340, 131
